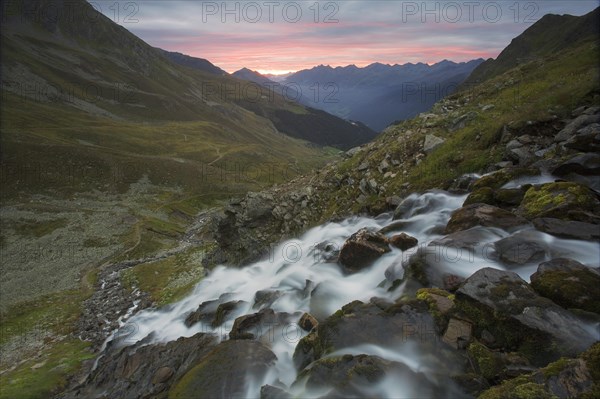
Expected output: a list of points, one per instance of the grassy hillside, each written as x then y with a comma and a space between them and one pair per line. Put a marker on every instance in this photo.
549, 35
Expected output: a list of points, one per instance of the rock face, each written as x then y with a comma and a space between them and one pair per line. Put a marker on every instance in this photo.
562, 200
362, 248
222, 372
482, 215
519, 318
568, 283
144, 371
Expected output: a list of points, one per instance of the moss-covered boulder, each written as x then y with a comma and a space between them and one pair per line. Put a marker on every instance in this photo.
483, 195
376, 323
568, 283
482, 215
565, 378
519, 319
561, 200
349, 376
225, 371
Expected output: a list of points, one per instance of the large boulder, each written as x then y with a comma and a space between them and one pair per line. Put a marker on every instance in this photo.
261, 325
482, 215
561, 200
581, 164
521, 248
362, 248
568, 283
431, 143
568, 228
571, 129
226, 372
376, 323
142, 370
519, 319
349, 376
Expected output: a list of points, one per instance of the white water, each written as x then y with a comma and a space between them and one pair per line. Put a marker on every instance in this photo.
292, 263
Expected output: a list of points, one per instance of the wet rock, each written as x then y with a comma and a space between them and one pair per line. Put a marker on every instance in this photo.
483, 195
222, 373
561, 200
359, 323
568, 228
520, 248
359, 376
565, 378
519, 318
265, 298
431, 143
205, 313
224, 310
327, 251
501, 177
143, 371
362, 248
308, 322
569, 284
403, 241
271, 392
482, 215
259, 325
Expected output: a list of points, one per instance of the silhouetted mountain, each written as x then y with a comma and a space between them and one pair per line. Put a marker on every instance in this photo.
550, 34
379, 94
192, 62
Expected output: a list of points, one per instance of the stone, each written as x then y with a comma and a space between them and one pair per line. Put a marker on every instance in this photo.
586, 139
258, 325
458, 333
363, 166
271, 392
519, 318
572, 127
362, 248
431, 143
568, 228
308, 322
162, 375
482, 215
403, 241
513, 144
582, 164
222, 373
569, 284
520, 248
557, 200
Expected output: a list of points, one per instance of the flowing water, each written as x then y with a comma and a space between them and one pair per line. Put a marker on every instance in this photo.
308, 283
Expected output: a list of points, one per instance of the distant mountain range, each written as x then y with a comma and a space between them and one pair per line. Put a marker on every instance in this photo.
379, 94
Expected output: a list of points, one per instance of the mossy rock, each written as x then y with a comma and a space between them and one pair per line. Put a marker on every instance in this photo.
222, 373
483, 195
498, 179
563, 378
488, 363
569, 284
561, 200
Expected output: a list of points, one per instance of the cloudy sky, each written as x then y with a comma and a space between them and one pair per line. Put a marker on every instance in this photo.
280, 36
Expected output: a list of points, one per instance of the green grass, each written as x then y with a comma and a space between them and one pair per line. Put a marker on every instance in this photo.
50, 374
167, 280
30, 228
